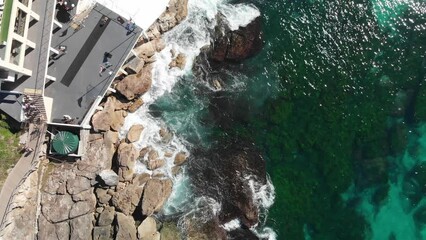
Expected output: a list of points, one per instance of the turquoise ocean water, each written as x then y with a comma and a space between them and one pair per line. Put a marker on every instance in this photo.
336, 102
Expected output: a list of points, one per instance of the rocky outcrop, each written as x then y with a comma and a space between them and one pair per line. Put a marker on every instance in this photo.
147, 230
235, 46
180, 158
127, 155
155, 195
170, 231
147, 50
135, 105
134, 133
135, 85
179, 61
241, 164
174, 14
125, 227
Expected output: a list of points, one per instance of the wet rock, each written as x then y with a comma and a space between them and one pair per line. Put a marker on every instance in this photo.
239, 163
148, 49
154, 164
152, 155
166, 135
134, 133
155, 195
106, 217
109, 177
147, 230
176, 170
175, 13
125, 227
237, 45
179, 61
144, 151
135, 105
141, 179
135, 85
196, 230
169, 231
102, 233
180, 158
127, 199
127, 156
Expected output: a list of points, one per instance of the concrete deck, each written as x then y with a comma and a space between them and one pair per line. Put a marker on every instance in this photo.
78, 82
35, 59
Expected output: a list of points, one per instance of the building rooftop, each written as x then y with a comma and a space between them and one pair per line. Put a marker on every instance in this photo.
89, 45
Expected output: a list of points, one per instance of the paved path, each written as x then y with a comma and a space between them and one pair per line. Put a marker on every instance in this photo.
21, 170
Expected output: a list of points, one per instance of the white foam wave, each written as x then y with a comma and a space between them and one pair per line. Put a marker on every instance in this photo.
265, 233
239, 15
188, 38
263, 194
232, 225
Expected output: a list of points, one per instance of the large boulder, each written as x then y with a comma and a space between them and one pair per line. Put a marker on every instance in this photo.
135, 105
235, 46
179, 61
175, 13
135, 85
127, 155
148, 49
147, 230
117, 119
125, 227
128, 199
155, 195
180, 158
101, 121
109, 177
134, 133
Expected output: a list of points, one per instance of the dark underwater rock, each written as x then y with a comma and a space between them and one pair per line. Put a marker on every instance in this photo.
224, 174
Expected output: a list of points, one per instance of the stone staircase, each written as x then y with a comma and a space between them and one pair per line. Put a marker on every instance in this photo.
37, 109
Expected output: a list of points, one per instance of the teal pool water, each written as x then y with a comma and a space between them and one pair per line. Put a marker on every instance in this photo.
335, 101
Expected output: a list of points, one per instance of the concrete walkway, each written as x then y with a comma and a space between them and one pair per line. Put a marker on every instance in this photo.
22, 169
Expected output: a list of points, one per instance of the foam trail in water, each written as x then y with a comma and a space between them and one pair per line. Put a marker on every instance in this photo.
188, 38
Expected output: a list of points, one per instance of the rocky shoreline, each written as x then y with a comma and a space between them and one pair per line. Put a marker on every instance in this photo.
100, 196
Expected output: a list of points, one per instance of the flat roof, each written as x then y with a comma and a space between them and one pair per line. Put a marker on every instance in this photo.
78, 82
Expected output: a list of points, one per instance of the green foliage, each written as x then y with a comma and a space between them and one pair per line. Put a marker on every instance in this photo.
9, 147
